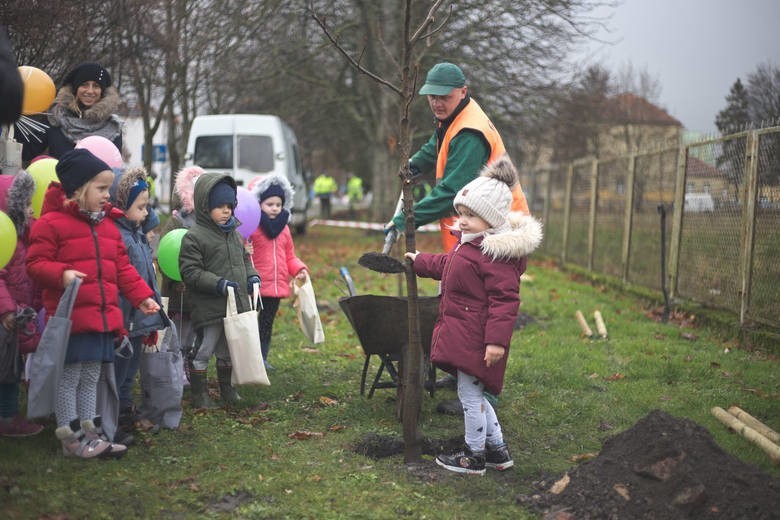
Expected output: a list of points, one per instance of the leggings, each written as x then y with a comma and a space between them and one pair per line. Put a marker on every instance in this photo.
77, 393
266, 323
482, 425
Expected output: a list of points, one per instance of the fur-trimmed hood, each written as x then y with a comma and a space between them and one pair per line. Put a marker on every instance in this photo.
185, 186
125, 181
263, 184
523, 237
66, 102
16, 191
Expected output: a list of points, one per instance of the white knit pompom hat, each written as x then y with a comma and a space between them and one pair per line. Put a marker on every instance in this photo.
490, 194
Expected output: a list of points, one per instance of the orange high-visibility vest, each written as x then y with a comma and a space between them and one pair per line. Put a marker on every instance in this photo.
474, 118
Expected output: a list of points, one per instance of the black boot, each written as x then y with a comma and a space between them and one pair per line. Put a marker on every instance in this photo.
226, 390
199, 389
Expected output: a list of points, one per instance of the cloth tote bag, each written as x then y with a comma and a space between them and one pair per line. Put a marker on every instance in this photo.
306, 308
162, 380
47, 361
108, 400
243, 339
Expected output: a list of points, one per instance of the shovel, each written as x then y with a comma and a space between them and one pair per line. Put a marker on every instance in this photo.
383, 262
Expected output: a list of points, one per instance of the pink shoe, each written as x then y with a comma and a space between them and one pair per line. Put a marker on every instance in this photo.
18, 426
75, 442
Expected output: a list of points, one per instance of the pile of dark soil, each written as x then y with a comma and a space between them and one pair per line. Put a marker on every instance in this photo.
663, 467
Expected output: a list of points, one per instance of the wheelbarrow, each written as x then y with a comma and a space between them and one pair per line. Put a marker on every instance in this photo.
381, 325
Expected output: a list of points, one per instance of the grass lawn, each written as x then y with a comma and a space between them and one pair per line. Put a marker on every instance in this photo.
296, 457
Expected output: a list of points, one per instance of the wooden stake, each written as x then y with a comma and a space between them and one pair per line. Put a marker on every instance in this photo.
583, 324
769, 447
600, 324
754, 423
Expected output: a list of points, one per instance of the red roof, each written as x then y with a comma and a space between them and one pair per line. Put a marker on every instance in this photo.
633, 109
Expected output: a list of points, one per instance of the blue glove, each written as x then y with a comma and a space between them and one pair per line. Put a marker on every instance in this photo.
252, 280
222, 286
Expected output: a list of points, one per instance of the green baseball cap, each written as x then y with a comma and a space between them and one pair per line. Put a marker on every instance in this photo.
442, 78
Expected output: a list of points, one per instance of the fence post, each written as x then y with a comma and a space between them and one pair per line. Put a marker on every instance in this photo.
594, 200
567, 210
547, 198
629, 216
748, 222
677, 220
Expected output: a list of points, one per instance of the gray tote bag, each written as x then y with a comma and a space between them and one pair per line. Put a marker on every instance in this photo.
47, 361
162, 381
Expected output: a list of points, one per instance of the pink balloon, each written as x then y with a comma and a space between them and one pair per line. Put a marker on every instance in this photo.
103, 149
247, 212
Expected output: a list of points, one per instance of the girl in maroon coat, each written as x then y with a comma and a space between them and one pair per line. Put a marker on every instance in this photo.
75, 239
480, 297
19, 301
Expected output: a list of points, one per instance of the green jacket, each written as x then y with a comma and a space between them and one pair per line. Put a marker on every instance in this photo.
468, 154
208, 254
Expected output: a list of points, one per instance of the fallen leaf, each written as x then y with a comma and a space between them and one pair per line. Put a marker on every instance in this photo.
689, 336
622, 491
615, 377
310, 350
336, 427
303, 435
594, 375
327, 401
559, 486
580, 457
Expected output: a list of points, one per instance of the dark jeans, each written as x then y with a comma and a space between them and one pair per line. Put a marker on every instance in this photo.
9, 399
266, 323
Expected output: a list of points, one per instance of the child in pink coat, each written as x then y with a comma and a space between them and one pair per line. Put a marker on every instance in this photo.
273, 252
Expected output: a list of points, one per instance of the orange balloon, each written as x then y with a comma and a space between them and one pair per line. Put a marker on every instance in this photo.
39, 90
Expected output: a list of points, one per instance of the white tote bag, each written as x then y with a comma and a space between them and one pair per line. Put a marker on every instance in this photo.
306, 308
243, 339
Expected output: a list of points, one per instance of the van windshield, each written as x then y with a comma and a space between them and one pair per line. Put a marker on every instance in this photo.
214, 151
256, 153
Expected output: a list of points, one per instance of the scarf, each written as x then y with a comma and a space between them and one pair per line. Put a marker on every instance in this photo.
77, 128
229, 226
272, 227
94, 217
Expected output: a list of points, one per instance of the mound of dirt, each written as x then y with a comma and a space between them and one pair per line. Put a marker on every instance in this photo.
663, 467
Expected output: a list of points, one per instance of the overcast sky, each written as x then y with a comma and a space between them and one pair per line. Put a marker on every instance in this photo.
695, 48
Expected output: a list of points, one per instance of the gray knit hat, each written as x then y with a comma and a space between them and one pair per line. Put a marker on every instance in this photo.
490, 194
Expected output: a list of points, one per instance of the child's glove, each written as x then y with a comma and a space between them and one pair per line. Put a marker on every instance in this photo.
252, 280
150, 340
223, 284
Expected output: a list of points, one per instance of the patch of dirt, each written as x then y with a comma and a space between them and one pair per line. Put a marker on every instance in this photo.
380, 446
663, 467
523, 319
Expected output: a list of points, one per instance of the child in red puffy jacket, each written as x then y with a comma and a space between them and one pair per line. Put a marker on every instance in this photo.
74, 239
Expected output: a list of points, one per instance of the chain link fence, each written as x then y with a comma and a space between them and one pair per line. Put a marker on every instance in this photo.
707, 216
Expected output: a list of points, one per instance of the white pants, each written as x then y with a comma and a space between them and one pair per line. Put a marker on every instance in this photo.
482, 425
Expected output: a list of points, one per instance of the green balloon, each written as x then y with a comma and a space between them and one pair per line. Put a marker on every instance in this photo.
168, 253
7, 239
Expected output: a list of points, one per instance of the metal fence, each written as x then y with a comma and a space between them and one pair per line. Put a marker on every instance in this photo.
706, 216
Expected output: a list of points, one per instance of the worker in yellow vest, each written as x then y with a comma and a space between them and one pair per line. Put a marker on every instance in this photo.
324, 187
464, 141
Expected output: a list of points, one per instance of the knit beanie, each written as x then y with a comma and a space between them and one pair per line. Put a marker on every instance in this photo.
490, 194
77, 167
274, 190
222, 193
88, 71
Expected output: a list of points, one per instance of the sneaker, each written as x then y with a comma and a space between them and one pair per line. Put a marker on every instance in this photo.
17, 426
94, 430
76, 443
498, 458
466, 461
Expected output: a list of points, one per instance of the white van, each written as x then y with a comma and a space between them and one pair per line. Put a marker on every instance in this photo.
248, 146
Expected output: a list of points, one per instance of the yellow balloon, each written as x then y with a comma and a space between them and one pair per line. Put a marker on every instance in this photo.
39, 90
7, 239
44, 172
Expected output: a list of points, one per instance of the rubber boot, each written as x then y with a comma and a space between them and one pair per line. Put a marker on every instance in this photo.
199, 389
226, 390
